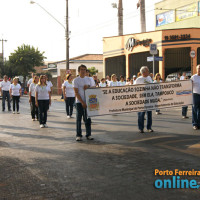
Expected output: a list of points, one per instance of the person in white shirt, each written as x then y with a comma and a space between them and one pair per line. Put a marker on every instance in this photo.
102, 83
49, 83
30, 80
196, 99
144, 79
92, 82
15, 92
157, 79
81, 83
113, 81
134, 78
4, 89
184, 108
121, 82
34, 108
69, 95
42, 100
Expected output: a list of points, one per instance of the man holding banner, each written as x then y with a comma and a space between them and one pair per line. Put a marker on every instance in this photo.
81, 83
144, 79
196, 99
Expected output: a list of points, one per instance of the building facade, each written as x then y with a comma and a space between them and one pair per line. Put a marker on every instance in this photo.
124, 55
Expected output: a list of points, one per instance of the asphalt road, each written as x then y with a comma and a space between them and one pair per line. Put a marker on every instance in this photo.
48, 164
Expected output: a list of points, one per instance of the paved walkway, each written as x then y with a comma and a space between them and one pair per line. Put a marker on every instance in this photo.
48, 164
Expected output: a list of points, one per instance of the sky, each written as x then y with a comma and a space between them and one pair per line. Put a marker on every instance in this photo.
89, 21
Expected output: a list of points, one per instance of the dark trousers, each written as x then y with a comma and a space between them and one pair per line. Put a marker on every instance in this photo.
34, 108
196, 110
80, 112
69, 102
15, 102
141, 120
184, 110
6, 95
43, 106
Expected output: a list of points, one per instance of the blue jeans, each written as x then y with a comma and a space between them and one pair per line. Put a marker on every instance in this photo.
80, 112
6, 95
141, 120
184, 110
196, 110
43, 106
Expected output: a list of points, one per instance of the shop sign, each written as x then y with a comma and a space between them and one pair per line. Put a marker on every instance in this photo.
52, 65
186, 12
165, 18
132, 42
178, 37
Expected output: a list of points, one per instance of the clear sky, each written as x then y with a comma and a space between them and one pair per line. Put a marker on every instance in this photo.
89, 21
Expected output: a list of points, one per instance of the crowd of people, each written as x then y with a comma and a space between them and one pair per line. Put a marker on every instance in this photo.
40, 91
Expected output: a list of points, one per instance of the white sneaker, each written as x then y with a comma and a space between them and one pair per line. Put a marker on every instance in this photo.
68, 116
45, 126
90, 138
78, 139
13, 112
41, 125
18, 112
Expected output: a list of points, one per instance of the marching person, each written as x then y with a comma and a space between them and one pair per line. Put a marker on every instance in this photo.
102, 83
121, 82
144, 79
80, 84
15, 92
69, 95
184, 108
113, 81
42, 100
157, 79
196, 99
34, 108
30, 80
4, 89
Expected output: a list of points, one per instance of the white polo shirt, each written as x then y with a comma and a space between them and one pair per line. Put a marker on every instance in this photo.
15, 89
5, 86
196, 83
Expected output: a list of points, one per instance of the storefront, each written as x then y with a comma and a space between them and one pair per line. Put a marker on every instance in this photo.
124, 55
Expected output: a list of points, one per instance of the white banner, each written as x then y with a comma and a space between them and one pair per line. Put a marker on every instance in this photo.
136, 98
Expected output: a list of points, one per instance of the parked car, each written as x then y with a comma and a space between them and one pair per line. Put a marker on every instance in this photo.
174, 76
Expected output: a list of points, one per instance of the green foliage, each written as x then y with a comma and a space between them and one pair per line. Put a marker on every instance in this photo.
93, 70
25, 58
6, 69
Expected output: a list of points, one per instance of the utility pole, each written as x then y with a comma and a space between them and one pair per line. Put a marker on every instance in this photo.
120, 18
141, 5
2, 40
67, 37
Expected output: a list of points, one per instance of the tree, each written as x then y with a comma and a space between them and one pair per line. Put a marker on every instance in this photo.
24, 59
6, 69
93, 70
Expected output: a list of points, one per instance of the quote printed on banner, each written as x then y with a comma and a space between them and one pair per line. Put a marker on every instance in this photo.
136, 98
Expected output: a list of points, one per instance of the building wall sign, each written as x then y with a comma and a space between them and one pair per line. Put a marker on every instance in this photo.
186, 12
177, 37
132, 42
165, 18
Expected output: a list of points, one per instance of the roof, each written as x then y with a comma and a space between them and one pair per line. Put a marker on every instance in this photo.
84, 57
89, 57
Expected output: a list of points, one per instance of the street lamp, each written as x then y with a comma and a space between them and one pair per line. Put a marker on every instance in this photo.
66, 29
